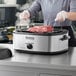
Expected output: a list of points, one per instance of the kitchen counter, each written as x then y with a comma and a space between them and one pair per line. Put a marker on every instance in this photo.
9, 5
61, 65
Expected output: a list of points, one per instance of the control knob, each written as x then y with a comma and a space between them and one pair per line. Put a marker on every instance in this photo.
29, 46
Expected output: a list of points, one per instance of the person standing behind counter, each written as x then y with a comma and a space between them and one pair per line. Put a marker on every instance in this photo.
55, 12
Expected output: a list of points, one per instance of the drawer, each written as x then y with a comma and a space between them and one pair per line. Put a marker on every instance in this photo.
16, 73
52, 75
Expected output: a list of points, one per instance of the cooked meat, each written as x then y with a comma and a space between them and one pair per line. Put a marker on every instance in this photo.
41, 29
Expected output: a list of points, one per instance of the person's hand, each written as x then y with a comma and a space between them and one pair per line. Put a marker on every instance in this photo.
61, 16
24, 15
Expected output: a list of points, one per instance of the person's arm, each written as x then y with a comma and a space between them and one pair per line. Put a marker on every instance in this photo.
35, 8
32, 11
63, 15
71, 15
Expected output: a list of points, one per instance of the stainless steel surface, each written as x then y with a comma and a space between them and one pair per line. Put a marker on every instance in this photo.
63, 61
40, 43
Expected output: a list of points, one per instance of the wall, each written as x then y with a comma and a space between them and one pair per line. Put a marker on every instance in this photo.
1, 1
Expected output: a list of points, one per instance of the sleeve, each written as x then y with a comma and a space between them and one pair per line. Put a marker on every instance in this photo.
73, 6
35, 8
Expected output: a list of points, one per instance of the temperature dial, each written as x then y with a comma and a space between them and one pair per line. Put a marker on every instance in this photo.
29, 46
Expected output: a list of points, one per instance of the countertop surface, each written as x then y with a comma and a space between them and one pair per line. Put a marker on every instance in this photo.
9, 5
63, 61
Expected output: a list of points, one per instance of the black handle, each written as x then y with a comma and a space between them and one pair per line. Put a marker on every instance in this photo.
65, 37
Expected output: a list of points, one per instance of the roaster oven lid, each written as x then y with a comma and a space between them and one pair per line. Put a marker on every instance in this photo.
55, 32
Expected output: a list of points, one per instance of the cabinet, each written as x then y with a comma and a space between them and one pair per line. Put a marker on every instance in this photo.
17, 73
33, 71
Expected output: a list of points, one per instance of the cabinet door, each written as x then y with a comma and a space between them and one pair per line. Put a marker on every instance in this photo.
12, 73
